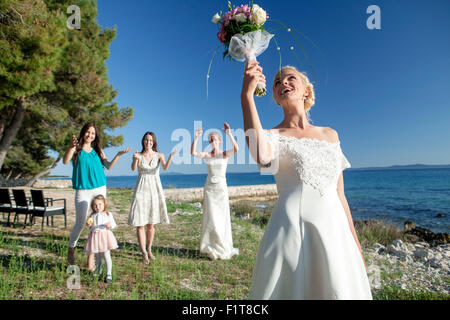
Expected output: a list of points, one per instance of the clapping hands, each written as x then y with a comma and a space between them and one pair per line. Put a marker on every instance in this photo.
123, 151
74, 142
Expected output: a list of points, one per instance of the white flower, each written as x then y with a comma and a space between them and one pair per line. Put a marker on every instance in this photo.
216, 18
240, 17
259, 15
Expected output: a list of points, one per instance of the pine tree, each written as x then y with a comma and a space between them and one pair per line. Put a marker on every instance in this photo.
80, 91
31, 42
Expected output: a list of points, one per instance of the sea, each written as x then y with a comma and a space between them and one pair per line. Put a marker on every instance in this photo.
395, 196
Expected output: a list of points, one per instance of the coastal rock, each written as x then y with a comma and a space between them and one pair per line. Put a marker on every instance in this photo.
425, 267
436, 263
378, 248
399, 249
186, 213
409, 225
438, 255
428, 235
410, 247
423, 254
53, 183
234, 192
197, 204
421, 244
242, 215
399, 244
443, 237
411, 237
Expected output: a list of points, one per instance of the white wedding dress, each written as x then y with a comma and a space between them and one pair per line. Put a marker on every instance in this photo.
216, 239
308, 250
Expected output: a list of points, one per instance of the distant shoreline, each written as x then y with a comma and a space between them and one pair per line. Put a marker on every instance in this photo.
394, 167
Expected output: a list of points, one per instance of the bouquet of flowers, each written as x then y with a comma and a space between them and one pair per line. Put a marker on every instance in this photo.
243, 34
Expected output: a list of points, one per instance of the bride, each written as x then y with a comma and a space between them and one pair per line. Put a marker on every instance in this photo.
216, 239
310, 249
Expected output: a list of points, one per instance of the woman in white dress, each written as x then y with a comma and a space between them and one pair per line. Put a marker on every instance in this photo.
310, 249
148, 206
216, 240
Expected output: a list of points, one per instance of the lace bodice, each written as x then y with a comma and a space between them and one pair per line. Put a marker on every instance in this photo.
151, 167
317, 162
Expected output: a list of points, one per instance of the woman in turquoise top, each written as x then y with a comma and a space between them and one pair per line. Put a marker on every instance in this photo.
88, 177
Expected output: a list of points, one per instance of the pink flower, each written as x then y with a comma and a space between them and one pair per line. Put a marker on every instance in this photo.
226, 18
222, 36
245, 9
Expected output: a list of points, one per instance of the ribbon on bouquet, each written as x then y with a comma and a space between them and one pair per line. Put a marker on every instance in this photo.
246, 47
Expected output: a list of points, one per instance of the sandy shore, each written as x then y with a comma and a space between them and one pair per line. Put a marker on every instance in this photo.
236, 193
256, 192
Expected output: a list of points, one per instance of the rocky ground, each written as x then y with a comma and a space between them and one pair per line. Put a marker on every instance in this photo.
410, 266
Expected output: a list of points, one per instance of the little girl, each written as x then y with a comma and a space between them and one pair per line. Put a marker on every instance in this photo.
101, 239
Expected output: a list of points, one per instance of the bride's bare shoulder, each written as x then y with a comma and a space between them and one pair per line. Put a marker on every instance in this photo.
329, 134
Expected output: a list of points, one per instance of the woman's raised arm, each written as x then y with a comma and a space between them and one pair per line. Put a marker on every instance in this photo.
256, 140
70, 150
235, 149
198, 133
165, 165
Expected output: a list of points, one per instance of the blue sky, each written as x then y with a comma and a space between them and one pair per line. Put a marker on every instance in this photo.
385, 91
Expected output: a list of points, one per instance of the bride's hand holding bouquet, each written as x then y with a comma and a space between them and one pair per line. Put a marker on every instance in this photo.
252, 76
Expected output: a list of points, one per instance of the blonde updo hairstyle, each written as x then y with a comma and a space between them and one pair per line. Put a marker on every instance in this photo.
214, 133
311, 97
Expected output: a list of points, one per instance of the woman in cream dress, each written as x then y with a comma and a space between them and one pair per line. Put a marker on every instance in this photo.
148, 206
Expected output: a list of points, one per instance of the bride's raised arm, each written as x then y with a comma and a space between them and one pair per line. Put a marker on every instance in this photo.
229, 153
256, 140
198, 133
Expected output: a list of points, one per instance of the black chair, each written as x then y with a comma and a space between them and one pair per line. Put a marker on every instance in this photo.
43, 207
22, 205
6, 205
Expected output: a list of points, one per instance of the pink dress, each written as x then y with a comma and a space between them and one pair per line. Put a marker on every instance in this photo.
100, 238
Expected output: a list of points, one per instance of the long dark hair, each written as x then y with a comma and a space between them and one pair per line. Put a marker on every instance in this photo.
155, 144
96, 144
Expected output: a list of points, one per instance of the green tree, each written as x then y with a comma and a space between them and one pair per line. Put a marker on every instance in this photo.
27, 157
31, 42
80, 90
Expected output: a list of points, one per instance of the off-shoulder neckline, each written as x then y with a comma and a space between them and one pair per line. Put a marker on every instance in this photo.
303, 138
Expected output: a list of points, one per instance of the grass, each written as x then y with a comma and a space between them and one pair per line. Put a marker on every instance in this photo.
33, 263
396, 293
377, 231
